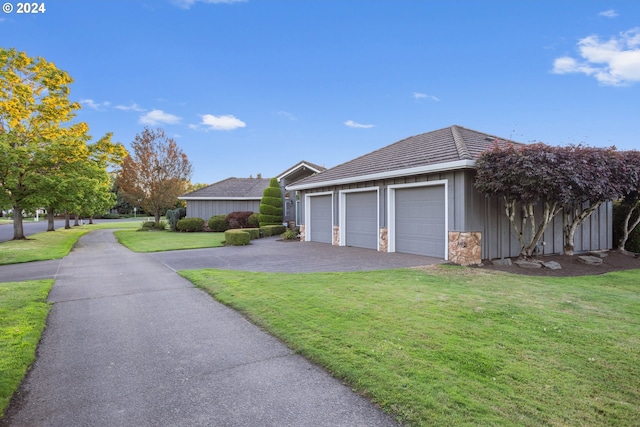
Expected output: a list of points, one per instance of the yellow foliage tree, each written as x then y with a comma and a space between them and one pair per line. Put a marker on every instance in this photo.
35, 111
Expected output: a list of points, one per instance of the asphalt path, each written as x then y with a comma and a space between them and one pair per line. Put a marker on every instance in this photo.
129, 342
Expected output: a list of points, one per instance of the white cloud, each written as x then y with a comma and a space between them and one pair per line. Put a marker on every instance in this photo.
608, 13
353, 124
94, 105
186, 4
155, 117
614, 62
418, 95
286, 115
132, 107
226, 122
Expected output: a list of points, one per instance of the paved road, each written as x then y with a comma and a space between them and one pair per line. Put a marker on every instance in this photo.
130, 343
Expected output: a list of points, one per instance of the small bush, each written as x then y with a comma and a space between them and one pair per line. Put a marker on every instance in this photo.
218, 223
239, 219
175, 215
272, 230
190, 224
151, 225
290, 234
254, 220
237, 237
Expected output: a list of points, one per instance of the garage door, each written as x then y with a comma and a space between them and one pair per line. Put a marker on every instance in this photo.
320, 219
420, 221
361, 219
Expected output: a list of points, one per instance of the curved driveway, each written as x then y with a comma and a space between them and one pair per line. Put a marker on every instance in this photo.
129, 342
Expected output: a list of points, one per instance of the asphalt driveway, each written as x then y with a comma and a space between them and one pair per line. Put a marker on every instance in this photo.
129, 342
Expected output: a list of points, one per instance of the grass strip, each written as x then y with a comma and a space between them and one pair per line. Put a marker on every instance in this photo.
157, 241
23, 314
458, 346
41, 246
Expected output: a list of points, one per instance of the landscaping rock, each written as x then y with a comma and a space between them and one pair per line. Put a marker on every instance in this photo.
504, 262
590, 260
553, 265
599, 254
528, 264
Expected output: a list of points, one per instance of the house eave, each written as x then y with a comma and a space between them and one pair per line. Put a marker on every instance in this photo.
418, 170
293, 169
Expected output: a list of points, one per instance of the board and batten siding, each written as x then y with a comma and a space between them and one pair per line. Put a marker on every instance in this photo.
205, 209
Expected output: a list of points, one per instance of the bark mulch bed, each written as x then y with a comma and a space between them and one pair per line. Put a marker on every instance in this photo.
572, 266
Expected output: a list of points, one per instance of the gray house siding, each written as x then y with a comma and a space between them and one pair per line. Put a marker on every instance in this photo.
469, 210
205, 209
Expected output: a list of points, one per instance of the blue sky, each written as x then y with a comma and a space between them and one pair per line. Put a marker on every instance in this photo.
248, 87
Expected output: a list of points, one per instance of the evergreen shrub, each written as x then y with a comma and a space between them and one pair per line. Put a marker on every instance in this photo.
272, 230
237, 237
218, 223
190, 224
271, 204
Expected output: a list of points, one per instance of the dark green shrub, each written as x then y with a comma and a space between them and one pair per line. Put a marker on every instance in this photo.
272, 230
218, 223
190, 224
239, 219
175, 215
271, 204
290, 234
254, 220
237, 237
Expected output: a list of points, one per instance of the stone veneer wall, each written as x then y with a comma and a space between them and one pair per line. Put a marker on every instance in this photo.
465, 247
302, 235
384, 242
336, 235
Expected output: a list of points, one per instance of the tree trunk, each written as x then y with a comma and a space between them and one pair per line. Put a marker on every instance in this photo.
91, 220
157, 216
571, 227
50, 220
76, 220
18, 230
66, 221
626, 229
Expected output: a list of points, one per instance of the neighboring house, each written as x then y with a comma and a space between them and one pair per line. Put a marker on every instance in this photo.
408, 196
245, 194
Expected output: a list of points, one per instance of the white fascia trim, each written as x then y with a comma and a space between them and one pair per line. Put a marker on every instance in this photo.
440, 167
219, 198
295, 168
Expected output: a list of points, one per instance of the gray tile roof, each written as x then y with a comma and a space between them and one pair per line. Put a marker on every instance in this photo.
231, 188
441, 146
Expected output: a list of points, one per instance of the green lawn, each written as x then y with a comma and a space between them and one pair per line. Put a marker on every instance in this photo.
23, 313
155, 241
450, 346
51, 245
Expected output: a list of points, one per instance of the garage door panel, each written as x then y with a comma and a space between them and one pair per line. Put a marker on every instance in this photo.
420, 220
320, 217
361, 219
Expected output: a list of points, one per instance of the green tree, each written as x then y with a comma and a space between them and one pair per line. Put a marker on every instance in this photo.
155, 174
271, 204
34, 111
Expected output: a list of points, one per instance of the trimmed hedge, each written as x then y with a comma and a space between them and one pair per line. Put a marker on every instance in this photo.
271, 204
254, 233
190, 224
272, 230
237, 237
218, 223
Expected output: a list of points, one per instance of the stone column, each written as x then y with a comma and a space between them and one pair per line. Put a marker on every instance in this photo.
302, 235
465, 247
384, 243
336, 235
